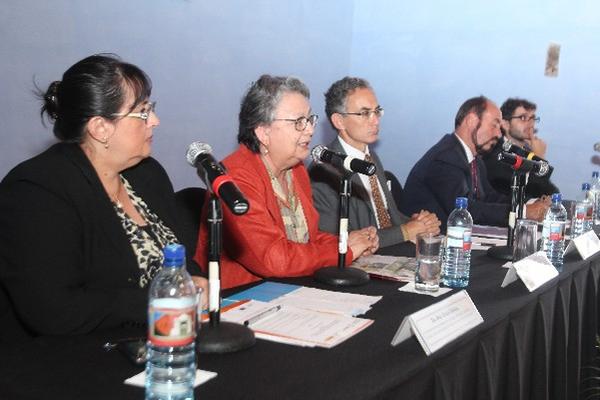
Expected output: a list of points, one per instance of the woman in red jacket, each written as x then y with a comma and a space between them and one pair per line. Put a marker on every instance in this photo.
279, 236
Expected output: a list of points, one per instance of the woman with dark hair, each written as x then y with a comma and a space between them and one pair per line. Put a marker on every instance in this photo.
83, 224
279, 235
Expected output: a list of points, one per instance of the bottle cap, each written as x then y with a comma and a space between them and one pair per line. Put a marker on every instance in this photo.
174, 255
461, 202
585, 186
556, 197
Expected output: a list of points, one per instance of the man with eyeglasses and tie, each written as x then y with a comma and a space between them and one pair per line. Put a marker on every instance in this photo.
518, 127
353, 111
453, 168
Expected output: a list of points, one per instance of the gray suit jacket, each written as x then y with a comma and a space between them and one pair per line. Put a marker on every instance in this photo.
325, 182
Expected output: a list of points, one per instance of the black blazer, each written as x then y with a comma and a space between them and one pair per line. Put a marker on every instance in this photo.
65, 261
442, 175
500, 177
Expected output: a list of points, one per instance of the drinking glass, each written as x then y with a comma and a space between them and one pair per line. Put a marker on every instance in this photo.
525, 243
429, 266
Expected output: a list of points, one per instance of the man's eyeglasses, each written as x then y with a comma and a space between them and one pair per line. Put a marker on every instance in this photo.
525, 118
301, 123
143, 114
367, 114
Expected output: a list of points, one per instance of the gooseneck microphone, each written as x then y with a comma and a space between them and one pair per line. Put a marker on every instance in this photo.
510, 147
321, 154
214, 176
518, 163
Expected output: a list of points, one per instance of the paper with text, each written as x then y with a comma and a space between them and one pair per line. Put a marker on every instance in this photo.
440, 323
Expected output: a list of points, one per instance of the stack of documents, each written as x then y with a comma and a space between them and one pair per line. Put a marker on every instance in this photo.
327, 301
297, 326
299, 315
483, 237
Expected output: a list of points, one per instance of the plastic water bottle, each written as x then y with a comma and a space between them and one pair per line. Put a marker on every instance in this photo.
553, 233
171, 362
456, 259
595, 196
581, 221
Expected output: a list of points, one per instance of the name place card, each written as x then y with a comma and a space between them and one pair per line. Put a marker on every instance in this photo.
440, 323
587, 245
534, 271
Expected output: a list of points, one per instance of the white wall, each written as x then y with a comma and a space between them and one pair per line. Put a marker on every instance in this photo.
423, 59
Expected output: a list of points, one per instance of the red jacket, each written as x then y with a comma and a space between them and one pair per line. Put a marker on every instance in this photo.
255, 245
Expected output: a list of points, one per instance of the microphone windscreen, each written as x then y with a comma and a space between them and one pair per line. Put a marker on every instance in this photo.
317, 152
195, 149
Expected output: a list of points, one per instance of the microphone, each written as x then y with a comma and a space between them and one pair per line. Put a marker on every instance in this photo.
597, 146
321, 154
518, 163
214, 176
508, 146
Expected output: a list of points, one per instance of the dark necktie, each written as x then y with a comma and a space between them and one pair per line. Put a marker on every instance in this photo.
383, 216
474, 182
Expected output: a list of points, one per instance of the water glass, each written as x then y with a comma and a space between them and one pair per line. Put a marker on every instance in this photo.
429, 266
525, 243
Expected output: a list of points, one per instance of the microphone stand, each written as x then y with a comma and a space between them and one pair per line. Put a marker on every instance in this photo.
215, 336
517, 199
342, 275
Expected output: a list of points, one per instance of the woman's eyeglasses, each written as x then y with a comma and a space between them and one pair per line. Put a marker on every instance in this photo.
143, 114
301, 123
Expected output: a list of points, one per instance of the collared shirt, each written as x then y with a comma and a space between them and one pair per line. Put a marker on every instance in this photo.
364, 179
468, 152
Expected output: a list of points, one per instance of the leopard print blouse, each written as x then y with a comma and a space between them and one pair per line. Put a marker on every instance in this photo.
146, 241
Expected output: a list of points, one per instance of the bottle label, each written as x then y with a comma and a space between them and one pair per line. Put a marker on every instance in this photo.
555, 231
172, 322
459, 237
583, 212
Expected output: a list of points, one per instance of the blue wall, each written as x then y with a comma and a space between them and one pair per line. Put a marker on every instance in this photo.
422, 60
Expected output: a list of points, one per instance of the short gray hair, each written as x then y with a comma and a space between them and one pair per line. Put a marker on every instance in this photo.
337, 95
259, 104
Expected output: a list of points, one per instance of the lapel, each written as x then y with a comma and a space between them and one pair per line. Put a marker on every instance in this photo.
358, 189
93, 200
457, 156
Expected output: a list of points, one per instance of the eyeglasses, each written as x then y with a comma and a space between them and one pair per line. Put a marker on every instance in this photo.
367, 114
143, 114
525, 118
301, 123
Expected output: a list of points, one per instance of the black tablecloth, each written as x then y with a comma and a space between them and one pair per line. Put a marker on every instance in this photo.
530, 346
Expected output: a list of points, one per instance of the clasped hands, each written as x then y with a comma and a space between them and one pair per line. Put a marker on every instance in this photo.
363, 242
537, 210
422, 222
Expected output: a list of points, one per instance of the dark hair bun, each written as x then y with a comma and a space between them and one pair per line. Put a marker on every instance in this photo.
51, 100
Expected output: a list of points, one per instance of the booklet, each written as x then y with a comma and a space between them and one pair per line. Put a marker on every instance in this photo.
401, 269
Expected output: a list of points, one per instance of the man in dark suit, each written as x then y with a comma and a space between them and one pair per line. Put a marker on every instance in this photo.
518, 127
353, 110
453, 168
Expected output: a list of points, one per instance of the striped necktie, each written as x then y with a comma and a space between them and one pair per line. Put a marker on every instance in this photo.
383, 216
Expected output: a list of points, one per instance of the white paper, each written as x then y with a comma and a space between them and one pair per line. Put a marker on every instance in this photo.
587, 244
328, 301
534, 271
437, 325
410, 288
511, 275
291, 325
201, 377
